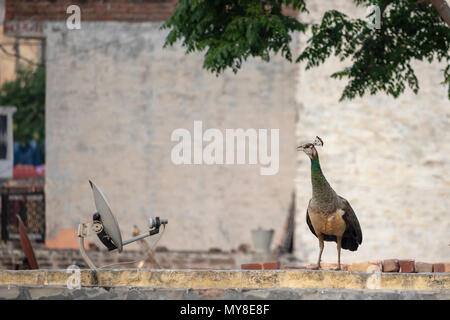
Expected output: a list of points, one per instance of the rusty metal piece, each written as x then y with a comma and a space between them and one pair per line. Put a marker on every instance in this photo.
26, 245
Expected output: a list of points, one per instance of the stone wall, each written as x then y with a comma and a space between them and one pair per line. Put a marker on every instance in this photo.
222, 279
388, 157
156, 294
114, 97
11, 258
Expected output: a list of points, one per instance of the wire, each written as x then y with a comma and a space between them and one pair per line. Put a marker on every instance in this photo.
120, 263
159, 238
2, 48
134, 261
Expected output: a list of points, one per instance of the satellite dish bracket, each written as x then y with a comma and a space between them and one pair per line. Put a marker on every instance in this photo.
101, 234
108, 231
97, 227
83, 232
85, 229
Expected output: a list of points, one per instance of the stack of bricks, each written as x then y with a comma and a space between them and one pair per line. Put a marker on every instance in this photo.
91, 10
96, 10
390, 265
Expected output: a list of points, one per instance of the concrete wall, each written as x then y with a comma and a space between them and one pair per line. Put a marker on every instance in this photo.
389, 158
114, 96
221, 279
124, 293
12, 259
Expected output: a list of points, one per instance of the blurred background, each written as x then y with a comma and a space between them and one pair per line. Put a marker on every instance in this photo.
101, 102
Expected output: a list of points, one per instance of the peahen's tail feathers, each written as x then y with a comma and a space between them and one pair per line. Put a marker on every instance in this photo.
349, 243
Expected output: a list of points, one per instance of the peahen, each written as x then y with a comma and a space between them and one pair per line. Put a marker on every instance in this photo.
329, 216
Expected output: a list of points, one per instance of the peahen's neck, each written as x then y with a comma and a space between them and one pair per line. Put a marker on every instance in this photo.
322, 193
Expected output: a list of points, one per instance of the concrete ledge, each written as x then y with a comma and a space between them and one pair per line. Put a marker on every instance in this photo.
231, 279
132, 293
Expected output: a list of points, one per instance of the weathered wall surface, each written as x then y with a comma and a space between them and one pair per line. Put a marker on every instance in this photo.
123, 293
114, 96
222, 279
389, 158
12, 259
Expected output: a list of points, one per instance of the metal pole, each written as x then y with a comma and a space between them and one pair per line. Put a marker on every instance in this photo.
84, 254
139, 237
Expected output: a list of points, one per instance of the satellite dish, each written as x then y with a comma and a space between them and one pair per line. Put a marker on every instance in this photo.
107, 229
107, 219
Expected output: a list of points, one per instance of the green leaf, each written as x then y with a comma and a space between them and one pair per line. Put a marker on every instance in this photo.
230, 31
27, 94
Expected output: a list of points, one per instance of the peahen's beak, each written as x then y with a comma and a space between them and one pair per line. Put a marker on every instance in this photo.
301, 147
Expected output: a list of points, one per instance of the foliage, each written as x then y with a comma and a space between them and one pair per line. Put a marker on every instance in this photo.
232, 30
380, 59
27, 93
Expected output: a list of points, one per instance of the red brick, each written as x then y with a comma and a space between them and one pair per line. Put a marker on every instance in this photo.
23, 10
438, 267
424, 267
368, 266
251, 266
441, 267
293, 268
391, 265
274, 265
9, 15
344, 267
406, 266
327, 266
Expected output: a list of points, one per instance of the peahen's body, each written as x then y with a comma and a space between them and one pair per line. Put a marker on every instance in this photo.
329, 216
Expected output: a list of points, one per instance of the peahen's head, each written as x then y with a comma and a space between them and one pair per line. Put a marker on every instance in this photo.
310, 149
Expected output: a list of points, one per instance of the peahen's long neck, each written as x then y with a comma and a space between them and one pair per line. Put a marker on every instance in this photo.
322, 193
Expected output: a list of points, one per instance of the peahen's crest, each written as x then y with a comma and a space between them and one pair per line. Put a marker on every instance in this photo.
318, 142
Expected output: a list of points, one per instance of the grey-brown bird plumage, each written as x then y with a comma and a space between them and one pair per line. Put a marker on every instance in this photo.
352, 236
329, 216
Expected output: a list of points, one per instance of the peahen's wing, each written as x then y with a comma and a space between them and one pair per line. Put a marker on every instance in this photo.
308, 222
353, 228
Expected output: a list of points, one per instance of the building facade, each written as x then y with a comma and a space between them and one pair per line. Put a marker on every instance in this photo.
115, 96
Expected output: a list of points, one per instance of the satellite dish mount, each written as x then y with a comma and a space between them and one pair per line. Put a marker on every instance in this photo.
105, 226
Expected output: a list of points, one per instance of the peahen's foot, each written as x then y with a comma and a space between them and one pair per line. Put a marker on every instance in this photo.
316, 267
337, 269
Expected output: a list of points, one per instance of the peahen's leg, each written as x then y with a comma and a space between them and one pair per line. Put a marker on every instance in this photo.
339, 240
320, 237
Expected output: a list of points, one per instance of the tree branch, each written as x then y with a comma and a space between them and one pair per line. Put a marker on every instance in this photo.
2, 48
444, 11
442, 8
